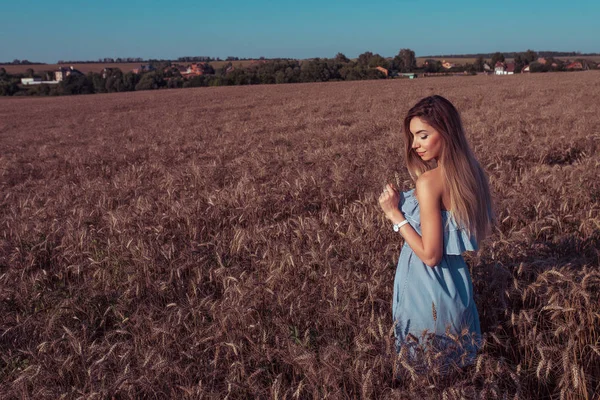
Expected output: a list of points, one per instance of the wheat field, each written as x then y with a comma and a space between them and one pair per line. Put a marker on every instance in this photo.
228, 243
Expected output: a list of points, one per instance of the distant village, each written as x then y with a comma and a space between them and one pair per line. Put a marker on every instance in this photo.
502, 68
194, 69
187, 72
204, 68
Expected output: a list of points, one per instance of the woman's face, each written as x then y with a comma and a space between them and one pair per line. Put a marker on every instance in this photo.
427, 142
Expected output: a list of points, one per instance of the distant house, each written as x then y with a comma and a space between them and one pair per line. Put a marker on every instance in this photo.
448, 65
500, 68
504, 68
197, 69
31, 81
525, 69
541, 60
143, 68
383, 70
36, 81
175, 68
107, 72
574, 66
63, 72
486, 67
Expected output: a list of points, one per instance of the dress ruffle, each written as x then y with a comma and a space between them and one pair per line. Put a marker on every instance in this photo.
456, 238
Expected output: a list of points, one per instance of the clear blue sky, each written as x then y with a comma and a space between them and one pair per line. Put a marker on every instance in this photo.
86, 30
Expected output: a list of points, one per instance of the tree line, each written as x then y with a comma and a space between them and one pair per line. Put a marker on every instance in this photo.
513, 54
16, 61
339, 68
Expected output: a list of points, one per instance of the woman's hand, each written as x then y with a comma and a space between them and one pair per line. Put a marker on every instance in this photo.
388, 200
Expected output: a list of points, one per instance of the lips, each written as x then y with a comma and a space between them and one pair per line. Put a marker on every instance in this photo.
420, 154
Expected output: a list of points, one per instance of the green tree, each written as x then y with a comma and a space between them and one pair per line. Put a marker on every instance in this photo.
40, 90
470, 68
431, 65
208, 69
174, 83
537, 67
196, 81
129, 81
352, 72
520, 62
530, 56
365, 58
98, 82
292, 73
405, 61
317, 70
216, 81
280, 77
223, 70
378, 61
341, 58
497, 56
238, 76
29, 73
76, 84
479, 64
114, 81
150, 81
8, 88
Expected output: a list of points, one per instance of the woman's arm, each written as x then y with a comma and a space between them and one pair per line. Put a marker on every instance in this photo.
429, 245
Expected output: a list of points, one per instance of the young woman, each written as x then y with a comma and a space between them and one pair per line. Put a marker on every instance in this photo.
448, 212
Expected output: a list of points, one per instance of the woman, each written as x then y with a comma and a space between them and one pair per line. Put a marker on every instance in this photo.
448, 213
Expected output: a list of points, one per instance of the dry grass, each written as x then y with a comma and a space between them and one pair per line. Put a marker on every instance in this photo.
227, 242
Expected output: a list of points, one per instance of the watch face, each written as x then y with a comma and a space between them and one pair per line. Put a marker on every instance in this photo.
395, 228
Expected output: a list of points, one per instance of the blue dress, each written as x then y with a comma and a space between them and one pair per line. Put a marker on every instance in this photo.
439, 299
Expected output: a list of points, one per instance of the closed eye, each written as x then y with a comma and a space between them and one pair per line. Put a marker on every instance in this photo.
424, 137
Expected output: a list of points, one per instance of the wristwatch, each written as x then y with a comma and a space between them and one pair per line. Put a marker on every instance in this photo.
400, 225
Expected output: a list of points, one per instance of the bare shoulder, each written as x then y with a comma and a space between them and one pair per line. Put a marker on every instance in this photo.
429, 185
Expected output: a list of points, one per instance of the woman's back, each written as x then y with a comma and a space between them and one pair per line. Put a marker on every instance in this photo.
433, 291
439, 299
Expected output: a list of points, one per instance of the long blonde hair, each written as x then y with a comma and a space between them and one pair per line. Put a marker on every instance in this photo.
469, 189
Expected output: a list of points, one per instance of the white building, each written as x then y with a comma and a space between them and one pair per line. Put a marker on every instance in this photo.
31, 81
36, 81
63, 72
504, 69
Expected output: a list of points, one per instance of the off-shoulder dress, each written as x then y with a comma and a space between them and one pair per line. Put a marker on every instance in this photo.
437, 299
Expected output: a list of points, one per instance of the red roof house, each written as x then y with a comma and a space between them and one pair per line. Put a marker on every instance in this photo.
575, 66
383, 70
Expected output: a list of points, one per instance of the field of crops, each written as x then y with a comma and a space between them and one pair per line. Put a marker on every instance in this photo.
228, 243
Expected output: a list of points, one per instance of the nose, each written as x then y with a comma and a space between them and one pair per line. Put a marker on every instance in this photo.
415, 144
